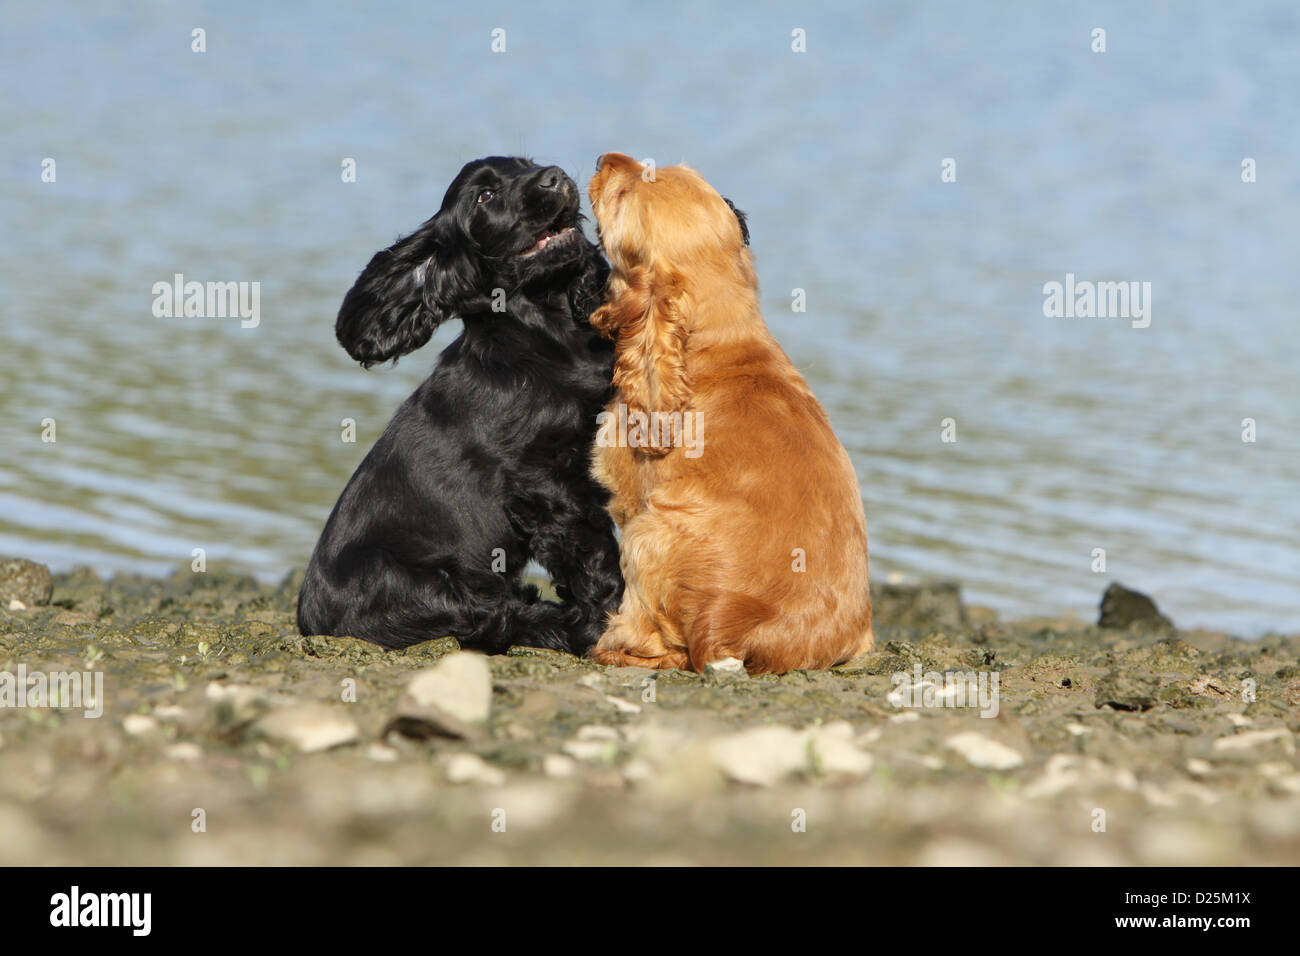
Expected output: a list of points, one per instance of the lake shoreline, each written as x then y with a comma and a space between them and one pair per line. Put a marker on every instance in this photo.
961, 738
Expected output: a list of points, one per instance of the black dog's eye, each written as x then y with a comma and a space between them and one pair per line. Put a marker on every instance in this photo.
485, 195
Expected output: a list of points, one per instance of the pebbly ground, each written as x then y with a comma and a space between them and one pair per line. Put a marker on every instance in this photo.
226, 738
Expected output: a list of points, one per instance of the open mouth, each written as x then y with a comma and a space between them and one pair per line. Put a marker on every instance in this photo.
559, 229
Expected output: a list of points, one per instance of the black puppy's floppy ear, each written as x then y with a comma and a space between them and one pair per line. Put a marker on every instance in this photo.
740, 218
406, 292
385, 313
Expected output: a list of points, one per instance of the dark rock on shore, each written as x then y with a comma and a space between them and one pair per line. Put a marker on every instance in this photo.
26, 582
1123, 608
935, 606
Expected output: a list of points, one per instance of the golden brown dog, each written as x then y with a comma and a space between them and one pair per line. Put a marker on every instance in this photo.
743, 531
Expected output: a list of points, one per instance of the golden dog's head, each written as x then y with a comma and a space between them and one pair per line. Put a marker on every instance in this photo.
662, 217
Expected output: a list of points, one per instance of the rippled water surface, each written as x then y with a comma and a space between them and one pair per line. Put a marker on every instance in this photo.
924, 299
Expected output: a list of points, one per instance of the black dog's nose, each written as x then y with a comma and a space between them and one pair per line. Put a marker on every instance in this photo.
552, 177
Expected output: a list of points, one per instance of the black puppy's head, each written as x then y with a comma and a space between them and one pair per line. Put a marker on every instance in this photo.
505, 223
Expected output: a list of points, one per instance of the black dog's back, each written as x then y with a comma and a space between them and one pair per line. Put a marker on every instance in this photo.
486, 466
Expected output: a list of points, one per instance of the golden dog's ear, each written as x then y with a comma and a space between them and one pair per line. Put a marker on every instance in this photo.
648, 313
626, 301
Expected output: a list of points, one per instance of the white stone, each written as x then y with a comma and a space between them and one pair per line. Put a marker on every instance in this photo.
592, 751
138, 724
928, 761
833, 752
1153, 795
869, 737
1253, 738
189, 752
310, 728
558, 765
236, 704
623, 706
459, 685
1064, 771
1287, 784
984, 752
470, 768
760, 756
240, 693
596, 732
732, 668
907, 692
638, 771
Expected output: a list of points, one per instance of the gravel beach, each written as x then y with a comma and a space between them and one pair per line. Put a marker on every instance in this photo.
227, 738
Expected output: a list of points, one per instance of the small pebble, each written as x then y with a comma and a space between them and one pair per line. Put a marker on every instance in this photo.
471, 768
596, 732
310, 728
592, 751
984, 752
559, 766
623, 706
189, 752
138, 725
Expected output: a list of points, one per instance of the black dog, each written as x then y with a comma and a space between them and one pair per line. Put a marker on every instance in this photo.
487, 464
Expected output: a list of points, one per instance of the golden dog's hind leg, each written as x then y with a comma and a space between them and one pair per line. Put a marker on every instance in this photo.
632, 640
725, 627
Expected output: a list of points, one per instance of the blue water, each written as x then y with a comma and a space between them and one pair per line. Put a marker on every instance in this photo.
924, 298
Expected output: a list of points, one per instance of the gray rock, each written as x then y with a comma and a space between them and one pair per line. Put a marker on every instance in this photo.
1127, 691
1122, 608
24, 581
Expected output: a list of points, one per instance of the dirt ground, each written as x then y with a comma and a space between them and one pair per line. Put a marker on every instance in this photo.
226, 738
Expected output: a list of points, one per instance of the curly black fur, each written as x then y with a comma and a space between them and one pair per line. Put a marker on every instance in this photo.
487, 465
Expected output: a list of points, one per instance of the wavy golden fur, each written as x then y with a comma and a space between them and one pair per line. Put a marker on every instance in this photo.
755, 545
